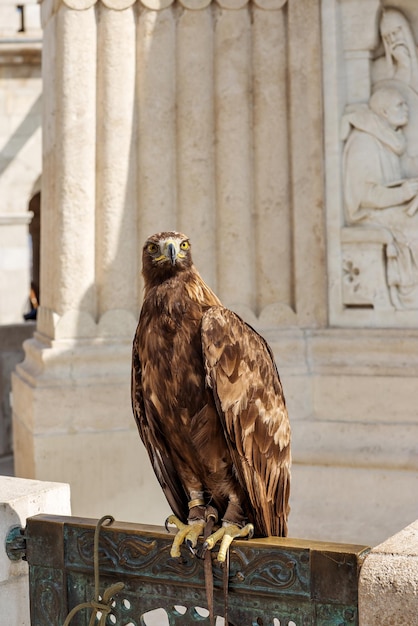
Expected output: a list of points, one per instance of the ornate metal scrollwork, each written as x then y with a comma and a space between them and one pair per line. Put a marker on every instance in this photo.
271, 581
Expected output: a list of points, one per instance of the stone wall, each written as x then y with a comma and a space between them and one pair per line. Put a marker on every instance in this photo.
20, 149
216, 119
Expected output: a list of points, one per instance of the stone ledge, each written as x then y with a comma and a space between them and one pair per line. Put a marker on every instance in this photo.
388, 587
343, 351
20, 499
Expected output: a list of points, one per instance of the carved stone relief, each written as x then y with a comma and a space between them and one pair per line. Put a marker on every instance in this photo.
379, 195
378, 163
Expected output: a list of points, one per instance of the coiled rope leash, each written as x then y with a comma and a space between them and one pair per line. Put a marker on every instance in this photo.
104, 605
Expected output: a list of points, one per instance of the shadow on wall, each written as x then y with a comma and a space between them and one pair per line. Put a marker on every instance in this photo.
19, 138
11, 353
35, 256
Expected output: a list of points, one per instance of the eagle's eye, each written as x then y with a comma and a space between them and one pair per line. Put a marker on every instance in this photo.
152, 248
184, 245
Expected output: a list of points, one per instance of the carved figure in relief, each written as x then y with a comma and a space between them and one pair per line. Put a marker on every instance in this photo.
398, 68
376, 190
401, 57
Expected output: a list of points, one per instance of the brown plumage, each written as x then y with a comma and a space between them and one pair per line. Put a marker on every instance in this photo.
207, 398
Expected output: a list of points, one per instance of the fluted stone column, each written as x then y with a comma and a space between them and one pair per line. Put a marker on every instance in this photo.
69, 289
72, 414
271, 168
115, 206
195, 135
234, 172
157, 168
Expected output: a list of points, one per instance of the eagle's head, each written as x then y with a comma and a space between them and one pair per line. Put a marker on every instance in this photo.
164, 255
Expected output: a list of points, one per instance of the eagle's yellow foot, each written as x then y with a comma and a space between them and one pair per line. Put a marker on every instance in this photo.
187, 533
226, 534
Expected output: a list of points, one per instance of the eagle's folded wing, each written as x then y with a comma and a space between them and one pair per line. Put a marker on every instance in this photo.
241, 371
156, 445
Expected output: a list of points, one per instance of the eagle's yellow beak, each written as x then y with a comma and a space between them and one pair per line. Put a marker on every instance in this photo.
171, 252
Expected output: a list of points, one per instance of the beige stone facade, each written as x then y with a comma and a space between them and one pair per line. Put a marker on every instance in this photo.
219, 119
20, 149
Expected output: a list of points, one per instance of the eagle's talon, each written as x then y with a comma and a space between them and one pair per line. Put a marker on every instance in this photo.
226, 534
174, 521
191, 547
214, 537
201, 550
187, 534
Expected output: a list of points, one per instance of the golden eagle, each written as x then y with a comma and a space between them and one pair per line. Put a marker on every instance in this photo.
209, 405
